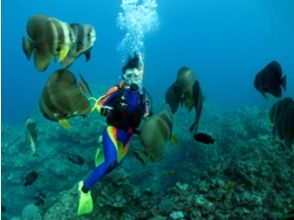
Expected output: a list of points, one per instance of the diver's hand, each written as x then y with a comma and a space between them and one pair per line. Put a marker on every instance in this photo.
85, 202
106, 110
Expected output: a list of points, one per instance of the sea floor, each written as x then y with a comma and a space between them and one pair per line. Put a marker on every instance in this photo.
245, 174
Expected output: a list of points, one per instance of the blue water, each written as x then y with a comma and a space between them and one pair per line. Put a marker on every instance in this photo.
225, 42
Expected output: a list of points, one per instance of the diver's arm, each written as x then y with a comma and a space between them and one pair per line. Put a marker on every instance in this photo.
102, 105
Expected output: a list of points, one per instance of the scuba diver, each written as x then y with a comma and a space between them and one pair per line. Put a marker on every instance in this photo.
124, 106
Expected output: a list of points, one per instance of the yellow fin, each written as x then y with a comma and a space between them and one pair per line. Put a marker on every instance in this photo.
63, 54
230, 185
64, 123
85, 205
174, 139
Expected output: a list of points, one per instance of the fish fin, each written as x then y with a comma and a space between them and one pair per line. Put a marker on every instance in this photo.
63, 54
64, 123
67, 62
264, 95
283, 82
173, 97
277, 92
194, 126
27, 47
88, 55
85, 89
174, 139
42, 60
191, 127
141, 156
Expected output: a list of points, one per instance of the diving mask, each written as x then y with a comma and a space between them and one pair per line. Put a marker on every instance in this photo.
133, 76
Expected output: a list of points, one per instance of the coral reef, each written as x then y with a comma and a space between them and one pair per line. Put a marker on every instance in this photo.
246, 174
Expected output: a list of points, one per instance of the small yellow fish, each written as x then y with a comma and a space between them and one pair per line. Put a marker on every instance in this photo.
170, 173
230, 185
174, 139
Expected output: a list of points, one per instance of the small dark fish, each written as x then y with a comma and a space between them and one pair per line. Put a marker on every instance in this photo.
3, 208
30, 178
74, 158
39, 199
203, 138
270, 80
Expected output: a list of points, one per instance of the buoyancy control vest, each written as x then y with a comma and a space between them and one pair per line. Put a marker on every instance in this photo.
122, 116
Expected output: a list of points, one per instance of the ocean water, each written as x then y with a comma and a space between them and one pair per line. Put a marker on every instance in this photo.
224, 42
246, 174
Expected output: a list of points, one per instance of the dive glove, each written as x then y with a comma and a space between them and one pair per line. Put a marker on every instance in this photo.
85, 201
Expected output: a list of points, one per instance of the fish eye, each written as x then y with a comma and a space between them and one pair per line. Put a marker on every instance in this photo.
89, 35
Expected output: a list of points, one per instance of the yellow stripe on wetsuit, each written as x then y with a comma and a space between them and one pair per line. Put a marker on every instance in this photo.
120, 149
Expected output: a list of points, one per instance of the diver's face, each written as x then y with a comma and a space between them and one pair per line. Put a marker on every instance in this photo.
133, 76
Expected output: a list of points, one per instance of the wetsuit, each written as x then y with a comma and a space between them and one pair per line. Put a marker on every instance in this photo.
128, 109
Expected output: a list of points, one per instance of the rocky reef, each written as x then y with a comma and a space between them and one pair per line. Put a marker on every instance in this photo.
245, 174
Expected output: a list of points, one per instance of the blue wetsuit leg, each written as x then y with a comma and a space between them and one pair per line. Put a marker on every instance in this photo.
110, 156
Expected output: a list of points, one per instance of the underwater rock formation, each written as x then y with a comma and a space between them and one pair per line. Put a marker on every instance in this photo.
244, 175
